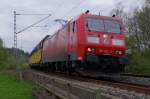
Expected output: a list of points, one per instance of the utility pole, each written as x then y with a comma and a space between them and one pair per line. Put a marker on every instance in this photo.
15, 36
16, 32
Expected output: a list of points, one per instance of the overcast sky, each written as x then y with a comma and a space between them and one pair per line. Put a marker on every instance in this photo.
65, 9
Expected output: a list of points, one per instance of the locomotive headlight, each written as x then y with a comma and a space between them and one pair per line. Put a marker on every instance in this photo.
92, 39
117, 42
105, 35
91, 49
119, 52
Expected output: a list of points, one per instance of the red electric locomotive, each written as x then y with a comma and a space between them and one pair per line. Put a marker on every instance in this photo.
88, 42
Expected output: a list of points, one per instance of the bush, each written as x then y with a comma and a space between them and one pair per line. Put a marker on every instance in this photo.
140, 62
3, 56
8, 60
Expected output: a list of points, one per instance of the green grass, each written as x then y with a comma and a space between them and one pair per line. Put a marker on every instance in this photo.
10, 88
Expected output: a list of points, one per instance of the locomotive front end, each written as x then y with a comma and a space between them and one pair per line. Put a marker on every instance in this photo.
105, 42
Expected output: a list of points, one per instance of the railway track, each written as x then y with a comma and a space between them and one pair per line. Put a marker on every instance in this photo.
125, 85
113, 88
135, 75
129, 86
119, 84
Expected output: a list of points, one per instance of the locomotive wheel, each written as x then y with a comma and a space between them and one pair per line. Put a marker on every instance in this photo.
68, 68
122, 68
72, 66
63, 66
53, 68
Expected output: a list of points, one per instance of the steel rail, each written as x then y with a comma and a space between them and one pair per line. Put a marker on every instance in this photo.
112, 83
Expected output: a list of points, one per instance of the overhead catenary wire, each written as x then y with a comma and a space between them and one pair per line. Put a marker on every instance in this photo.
32, 14
16, 32
74, 7
34, 24
78, 4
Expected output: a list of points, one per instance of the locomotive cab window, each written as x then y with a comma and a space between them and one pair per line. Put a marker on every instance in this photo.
99, 25
112, 26
95, 25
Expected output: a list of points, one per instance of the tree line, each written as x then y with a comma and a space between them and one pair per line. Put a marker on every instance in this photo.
137, 24
8, 60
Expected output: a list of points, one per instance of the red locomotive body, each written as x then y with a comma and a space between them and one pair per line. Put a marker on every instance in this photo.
88, 41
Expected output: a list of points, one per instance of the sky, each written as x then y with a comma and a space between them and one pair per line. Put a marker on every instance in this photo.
59, 9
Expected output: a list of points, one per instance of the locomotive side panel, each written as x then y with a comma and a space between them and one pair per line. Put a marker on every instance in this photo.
81, 37
73, 41
62, 44
48, 45
55, 48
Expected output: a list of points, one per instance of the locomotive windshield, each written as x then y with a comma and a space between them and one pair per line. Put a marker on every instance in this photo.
103, 25
95, 25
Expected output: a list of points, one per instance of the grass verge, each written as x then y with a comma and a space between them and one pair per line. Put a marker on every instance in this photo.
11, 88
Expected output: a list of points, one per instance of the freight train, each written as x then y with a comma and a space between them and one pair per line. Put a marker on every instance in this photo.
86, 43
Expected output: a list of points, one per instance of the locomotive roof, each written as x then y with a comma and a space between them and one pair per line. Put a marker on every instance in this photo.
101, 17
87, 15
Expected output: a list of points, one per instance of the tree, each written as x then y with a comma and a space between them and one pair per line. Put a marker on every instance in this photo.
3, 55
148, 2
1, 43
118, 10
138, 28
132, 29
144, 23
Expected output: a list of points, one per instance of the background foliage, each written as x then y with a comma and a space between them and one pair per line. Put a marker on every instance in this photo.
8, 60
138, 36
